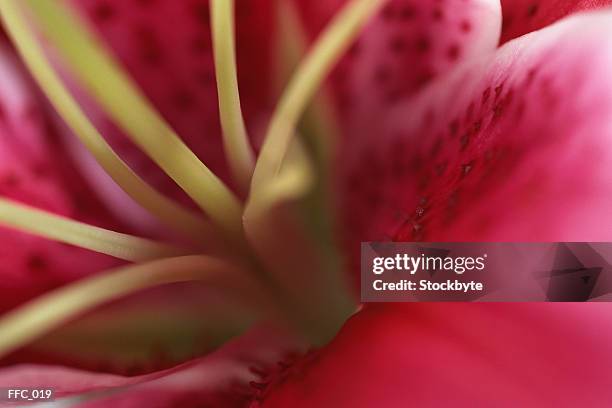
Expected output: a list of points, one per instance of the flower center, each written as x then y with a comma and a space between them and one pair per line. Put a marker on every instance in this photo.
268, 258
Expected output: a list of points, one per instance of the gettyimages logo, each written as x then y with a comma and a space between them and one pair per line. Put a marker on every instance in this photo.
413, 264
498, 271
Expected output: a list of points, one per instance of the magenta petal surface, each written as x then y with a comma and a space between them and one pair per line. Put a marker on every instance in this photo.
512, 146
523, 16
220, 379
405, 47
462, 354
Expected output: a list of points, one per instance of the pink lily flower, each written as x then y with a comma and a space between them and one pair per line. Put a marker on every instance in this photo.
182, 197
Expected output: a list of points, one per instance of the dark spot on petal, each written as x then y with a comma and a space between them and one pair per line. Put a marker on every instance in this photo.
393, 96
184, 100
200, 46
36, 263
388, 12
497, 110
453, 52
407, 13
382, 74
469, 113
530, 76
10, 180
422, 45
148, 46
398, 44
532, 10
465, 26
509, 97
355, 49
205, 78
103, 12
440, 168
486, 94
438, 14
498, 90
201, 13
464, 141
436, 147
145, 3
424, 78
454, 127
40, 170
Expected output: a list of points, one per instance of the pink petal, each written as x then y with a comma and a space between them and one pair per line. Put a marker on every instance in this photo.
220, 379
514, 146
33, 171
458, 354
524, 16
406, 46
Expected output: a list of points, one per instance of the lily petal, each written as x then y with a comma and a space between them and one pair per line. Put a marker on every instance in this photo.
462, 354
524, 16
514, 146
219, 379
406, 46
33, 171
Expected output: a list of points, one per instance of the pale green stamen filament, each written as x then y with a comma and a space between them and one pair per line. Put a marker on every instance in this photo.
38, 317
125, 103
306, 81
58, 228
237, 149
166, 210
319, 119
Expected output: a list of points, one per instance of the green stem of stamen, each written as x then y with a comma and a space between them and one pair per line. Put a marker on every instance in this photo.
236, 142
33, 320
58, 228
